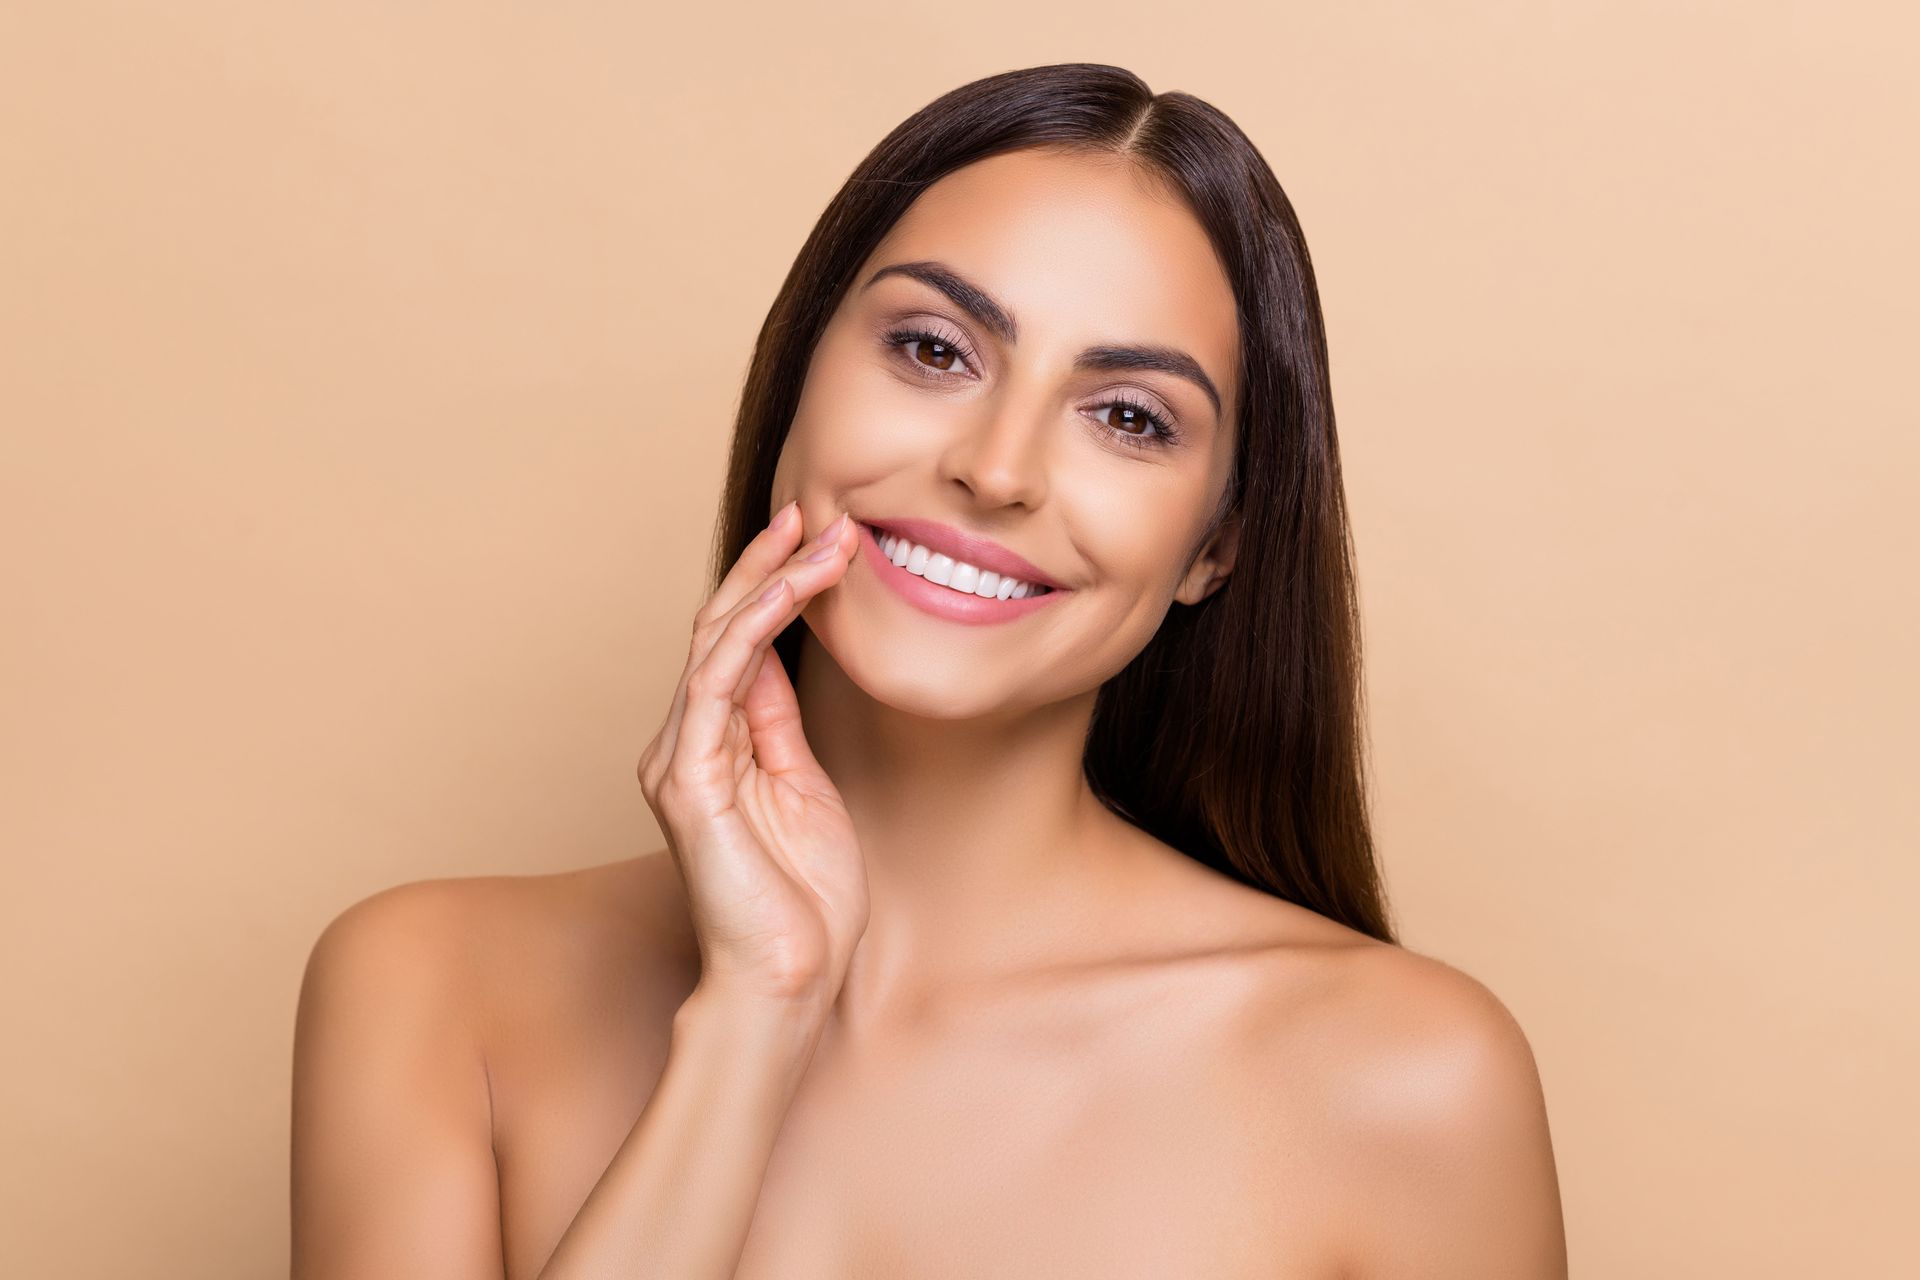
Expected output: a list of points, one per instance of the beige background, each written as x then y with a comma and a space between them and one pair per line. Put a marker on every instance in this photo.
366, 380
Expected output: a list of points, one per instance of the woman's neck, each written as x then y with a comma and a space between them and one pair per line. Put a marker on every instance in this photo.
986, 851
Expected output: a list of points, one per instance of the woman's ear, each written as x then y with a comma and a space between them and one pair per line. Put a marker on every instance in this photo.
1211, 567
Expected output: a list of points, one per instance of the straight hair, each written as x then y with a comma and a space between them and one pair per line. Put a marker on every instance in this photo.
1236, 735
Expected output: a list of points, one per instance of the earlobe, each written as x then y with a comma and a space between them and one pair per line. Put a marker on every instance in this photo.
1208, 585
1210, 569
1226, 547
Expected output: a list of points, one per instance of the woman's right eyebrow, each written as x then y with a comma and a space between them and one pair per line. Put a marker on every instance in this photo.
997, 320
966, 295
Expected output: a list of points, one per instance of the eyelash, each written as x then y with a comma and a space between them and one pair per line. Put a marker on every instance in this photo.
1164, 432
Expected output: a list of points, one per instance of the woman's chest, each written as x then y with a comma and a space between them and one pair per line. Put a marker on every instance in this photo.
1041, 1174
974, 1155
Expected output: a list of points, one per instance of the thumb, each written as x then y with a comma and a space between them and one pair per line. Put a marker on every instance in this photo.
773, 721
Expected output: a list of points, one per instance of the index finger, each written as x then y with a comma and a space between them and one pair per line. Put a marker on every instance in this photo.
767, 551
765, 555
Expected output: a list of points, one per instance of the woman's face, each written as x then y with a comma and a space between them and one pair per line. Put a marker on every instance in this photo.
979, 407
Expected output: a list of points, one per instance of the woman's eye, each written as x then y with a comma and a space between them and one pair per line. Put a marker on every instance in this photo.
938, 354
930, 351
1138, 424
1133, 422
934, 357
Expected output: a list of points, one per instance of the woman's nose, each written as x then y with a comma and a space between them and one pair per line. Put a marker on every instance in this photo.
1002, 457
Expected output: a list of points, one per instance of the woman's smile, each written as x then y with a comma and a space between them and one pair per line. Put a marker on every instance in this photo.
956, 590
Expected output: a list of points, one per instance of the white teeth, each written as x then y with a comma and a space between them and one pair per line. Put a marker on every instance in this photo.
957, 575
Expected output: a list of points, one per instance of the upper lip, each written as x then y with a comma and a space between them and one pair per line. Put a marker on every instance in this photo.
981, 553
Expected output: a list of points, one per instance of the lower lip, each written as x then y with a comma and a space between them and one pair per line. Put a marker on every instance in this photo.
945, 602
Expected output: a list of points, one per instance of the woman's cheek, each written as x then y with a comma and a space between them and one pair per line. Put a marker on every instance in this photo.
877, 435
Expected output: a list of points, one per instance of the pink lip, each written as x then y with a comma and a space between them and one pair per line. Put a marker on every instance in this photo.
945, 602
981, 553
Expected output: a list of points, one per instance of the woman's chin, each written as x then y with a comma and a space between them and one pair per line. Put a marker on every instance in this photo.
910, 679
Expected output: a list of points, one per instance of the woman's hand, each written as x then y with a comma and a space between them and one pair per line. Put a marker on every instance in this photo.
774, 876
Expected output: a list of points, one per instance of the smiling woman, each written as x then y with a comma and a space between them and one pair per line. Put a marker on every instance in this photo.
1018, 913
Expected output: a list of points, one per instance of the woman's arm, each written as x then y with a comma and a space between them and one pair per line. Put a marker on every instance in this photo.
393, 1168
393, 1149
679, 1195
1447, 1132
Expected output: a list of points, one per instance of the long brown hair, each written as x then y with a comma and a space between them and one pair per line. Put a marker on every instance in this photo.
1235, 735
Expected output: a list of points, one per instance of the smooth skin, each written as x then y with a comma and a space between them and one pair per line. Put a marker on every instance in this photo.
900, 998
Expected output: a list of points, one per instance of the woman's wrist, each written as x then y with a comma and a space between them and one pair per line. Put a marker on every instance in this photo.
750, 1025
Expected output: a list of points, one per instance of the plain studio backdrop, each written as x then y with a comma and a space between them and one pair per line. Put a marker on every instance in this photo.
367, 376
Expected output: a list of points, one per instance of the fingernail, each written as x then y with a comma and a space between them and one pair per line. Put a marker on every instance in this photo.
772, 591
830, 541
784, 517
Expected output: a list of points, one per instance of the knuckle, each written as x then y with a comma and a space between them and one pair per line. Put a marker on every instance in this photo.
679, 792
703, 641
700, 682
710, 677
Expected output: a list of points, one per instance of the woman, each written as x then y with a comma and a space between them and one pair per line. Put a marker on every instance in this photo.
1019, 914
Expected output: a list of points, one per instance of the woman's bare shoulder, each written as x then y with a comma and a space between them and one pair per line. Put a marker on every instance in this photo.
418, 1010
1430, 1099
1411, 1030
478, 942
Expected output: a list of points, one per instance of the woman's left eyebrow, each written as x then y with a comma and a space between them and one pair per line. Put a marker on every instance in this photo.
1154, 359
997, 320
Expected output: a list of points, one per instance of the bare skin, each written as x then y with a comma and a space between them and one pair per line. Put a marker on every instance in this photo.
1266, 1095
1054, 1046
